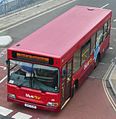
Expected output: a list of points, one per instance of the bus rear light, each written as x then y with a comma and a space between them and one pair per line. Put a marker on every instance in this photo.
11, 96
52, 104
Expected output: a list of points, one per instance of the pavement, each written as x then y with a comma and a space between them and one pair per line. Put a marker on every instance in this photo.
112, 80
25, 14
18, 17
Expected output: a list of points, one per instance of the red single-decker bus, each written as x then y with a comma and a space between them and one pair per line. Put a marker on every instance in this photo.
46, 67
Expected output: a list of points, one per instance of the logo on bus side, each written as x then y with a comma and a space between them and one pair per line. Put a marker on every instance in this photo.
88, 63
32, 96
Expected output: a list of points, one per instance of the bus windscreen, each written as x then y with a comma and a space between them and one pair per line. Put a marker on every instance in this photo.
34, 76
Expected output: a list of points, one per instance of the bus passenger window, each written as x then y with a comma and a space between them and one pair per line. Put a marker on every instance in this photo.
93, 43
109, 24
76, 61
99, 38
64, 72
69, 68
105, 30
85, 53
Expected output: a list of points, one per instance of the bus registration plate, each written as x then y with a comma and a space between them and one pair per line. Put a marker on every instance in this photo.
30, 106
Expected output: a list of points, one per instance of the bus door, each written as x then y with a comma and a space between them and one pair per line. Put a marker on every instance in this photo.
66, 81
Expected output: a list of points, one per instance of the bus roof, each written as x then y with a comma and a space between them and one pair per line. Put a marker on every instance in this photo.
57, 37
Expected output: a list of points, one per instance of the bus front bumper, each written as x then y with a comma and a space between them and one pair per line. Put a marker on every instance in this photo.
33, 105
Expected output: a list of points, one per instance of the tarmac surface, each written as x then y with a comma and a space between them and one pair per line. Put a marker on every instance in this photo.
20, 16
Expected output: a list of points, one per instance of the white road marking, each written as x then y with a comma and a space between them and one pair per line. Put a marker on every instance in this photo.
38, 15
102, 63
113, 28
46, 2
20, 115
3, 52
3, 79
3, 67
4, 111
105, 6
111, 48
93, 77
114, 20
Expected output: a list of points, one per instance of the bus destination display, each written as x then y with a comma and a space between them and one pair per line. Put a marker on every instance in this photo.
32, 58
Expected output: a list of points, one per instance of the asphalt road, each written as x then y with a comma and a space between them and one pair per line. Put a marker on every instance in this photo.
90, 101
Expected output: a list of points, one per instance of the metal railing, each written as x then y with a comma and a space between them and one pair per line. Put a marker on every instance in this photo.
10, 6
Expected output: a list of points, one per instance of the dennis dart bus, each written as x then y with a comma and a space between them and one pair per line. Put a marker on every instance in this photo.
46, 67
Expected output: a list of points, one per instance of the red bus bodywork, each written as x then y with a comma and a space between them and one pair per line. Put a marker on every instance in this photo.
59, 39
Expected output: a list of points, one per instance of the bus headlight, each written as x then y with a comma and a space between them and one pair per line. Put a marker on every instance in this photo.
52, 104
11, 96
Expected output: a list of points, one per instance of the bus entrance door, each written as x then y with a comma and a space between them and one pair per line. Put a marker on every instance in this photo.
68, 80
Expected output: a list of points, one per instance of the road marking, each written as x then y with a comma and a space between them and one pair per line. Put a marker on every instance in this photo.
3, 79
102, 63
110, 48
20, 115
3, 67
48, 11
93, 77
113, 28
4, 111
46, 2
114, 20
105, 88
3, 52
105, 6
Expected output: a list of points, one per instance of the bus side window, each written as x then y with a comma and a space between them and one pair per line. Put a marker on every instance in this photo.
85, 52
99, 37
105, 30
69, 68
64, 72
93, 38
109, 25
76, 61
